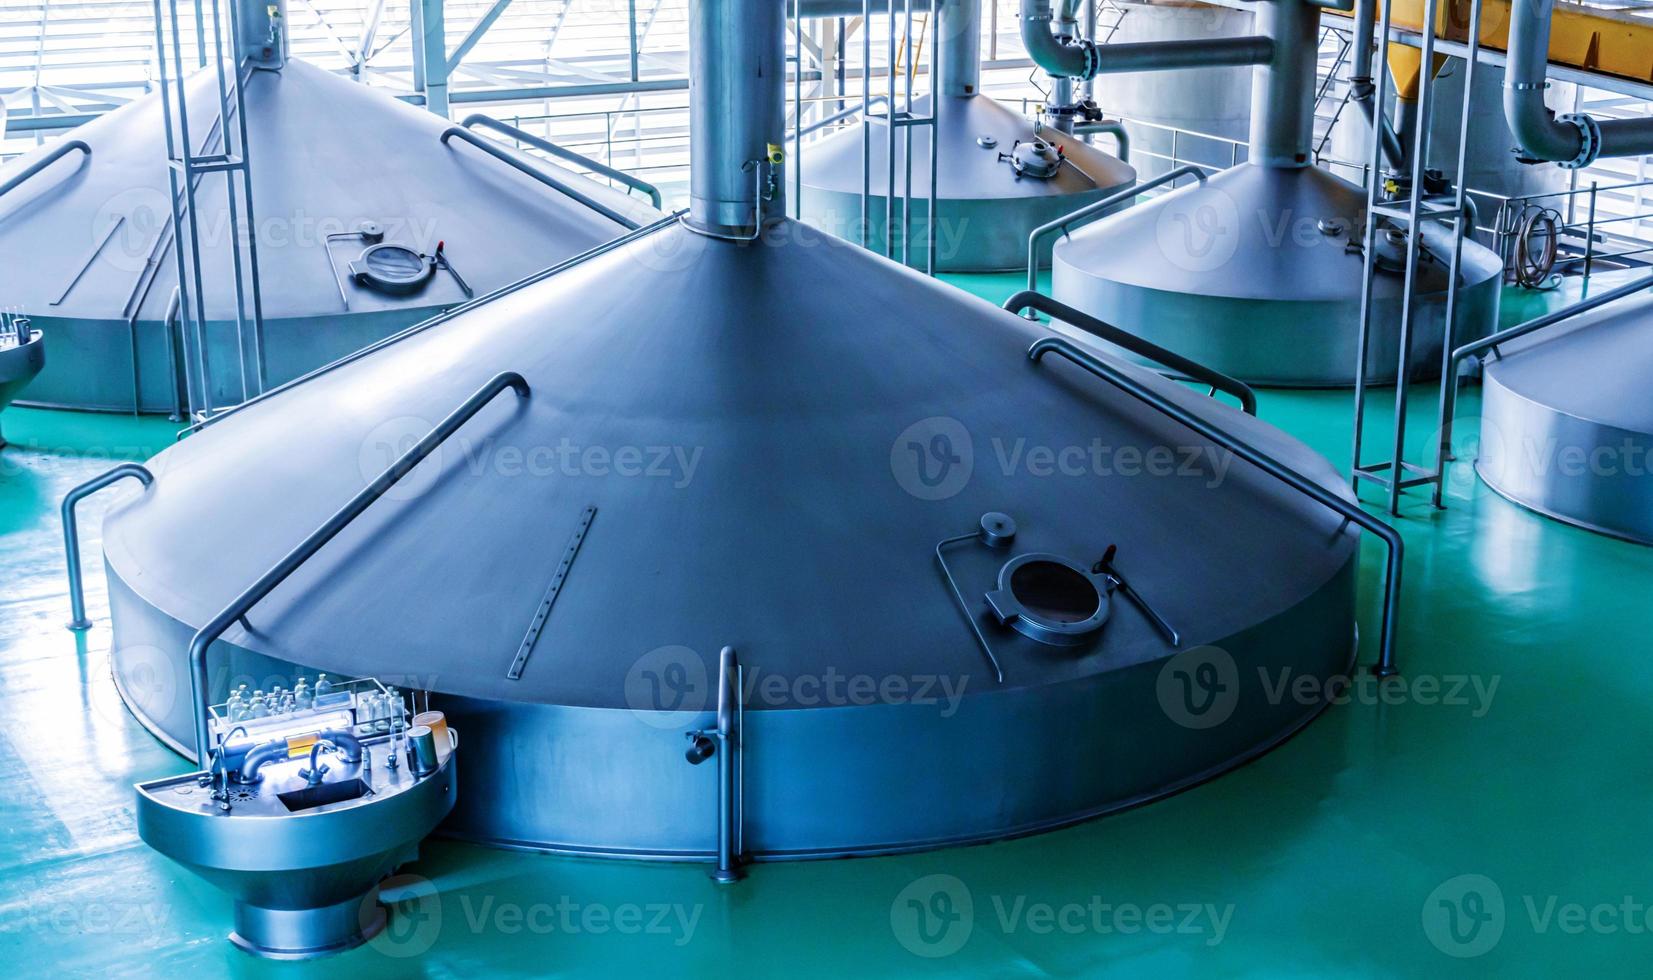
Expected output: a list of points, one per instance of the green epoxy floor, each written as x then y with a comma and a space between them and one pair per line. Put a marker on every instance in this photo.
1343, 852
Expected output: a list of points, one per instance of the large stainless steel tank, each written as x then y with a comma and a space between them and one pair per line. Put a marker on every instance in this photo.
1215, 102
1257, 271
87, 241
1567, 424
736, 431
792, 468
986, 209
1252, 272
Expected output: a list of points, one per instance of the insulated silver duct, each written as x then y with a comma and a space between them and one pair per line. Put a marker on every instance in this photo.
1573, 140
737, 115
960, 47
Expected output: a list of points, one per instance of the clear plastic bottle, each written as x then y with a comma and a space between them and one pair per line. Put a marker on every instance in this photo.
324, 686
258, 708
302, 698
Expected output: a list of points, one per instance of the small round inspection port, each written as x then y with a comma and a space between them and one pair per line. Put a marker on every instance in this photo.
1050, 599
1055, 592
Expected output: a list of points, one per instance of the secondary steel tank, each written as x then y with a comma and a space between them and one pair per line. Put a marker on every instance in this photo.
1567, 425
89, 245
1214, 102
1257, 271
22, 355
855, 476
986, 205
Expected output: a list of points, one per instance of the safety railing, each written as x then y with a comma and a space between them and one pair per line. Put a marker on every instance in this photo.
521, 165
62, 150
1094, 210
1449, 392
71, 532
237, 610
1193, 370
440, 318
1348, 510
561, 152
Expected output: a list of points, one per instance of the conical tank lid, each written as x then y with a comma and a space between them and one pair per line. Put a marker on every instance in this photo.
328, 156
764, 444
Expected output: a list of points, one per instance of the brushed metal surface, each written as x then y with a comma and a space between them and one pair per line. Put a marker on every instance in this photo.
798, 535
1567, 423
327, 155
985, 211
1237, 273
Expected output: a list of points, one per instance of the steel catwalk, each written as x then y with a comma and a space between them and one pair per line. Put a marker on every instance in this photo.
88, 239
1257, 273
770, 475
986, 210
1566, 423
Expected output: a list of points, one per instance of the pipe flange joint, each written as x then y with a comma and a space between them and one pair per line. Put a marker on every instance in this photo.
1093, 60
1589, 139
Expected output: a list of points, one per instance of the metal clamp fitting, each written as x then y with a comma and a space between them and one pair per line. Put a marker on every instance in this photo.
1589, 140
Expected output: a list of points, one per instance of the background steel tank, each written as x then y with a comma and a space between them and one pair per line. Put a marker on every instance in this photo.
986, 210
1210, 101
787, 446
1257, 271
89, 243
22, 356
1567, 425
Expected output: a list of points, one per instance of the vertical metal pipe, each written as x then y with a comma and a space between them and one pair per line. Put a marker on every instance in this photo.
866, 122
1282, 99
1414, 236
960, 32
220, 56
727, 697
931, 218
737, 111
1369, 242
889, 132
1463, 225
798, 108
907, 134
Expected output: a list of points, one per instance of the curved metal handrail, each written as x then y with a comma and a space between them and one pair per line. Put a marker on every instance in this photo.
1348, 510
1449, 389
1194, 370
443, 317
521, 165
1093, 210
306, 549
541, 143
71, 531
62, 150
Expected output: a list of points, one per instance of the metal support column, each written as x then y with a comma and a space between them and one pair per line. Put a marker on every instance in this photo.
430, 55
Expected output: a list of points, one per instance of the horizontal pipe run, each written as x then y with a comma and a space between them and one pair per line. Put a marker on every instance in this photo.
62, 150
1348, 510
71, 532
636, 183
1094, 210
1081, 58
1139, 346
517, 163
306, 549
